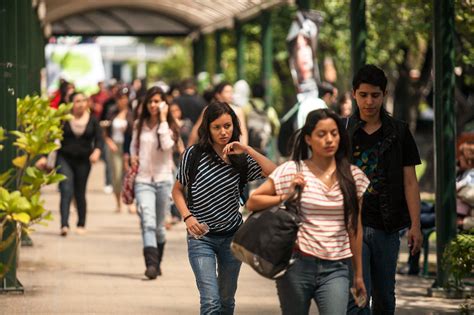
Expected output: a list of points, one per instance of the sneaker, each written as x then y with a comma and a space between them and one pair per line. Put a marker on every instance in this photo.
64, 231
81, 230
108, 189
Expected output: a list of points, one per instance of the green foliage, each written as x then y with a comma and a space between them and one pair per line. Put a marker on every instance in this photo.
178, 64
458, 257
39, 126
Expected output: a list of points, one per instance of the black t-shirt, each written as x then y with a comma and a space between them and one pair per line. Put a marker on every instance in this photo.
366, 156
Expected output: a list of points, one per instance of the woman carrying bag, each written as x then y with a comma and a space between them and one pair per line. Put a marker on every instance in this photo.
213, 173
331, 232
154, 137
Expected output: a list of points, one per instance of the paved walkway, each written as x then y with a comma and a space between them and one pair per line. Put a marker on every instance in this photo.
102, 272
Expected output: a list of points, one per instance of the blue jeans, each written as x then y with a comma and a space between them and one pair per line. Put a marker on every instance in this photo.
216, 271
153, 201
379, 260
325, 281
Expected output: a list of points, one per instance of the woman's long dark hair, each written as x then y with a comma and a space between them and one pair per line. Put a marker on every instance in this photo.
211, 113
343, 167
145, 115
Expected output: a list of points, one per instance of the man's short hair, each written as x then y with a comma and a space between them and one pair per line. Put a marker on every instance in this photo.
188, 84
325, 88
372, 75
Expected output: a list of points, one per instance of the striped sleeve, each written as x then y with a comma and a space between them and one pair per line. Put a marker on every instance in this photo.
182, 175
361, 180
254, 170
282, 177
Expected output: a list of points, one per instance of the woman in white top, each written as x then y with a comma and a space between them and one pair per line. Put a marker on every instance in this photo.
331, 232
120, 118
154, 136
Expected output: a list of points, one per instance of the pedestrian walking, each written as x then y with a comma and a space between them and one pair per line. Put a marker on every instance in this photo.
384, 148
80, 147
214, 171
331, 231
154, 135
120, 119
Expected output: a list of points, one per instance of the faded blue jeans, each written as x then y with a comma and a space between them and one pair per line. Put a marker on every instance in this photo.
216, 271
379, 261
153, 202
325, 281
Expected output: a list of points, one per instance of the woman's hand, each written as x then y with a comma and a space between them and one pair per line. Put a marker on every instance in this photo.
298, 180
235, 147
194, 226
112, 145
134, 161
359, 292
95, 156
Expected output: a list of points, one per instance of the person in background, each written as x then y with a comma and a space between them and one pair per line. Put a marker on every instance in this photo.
344, 105
331, 230
118, 130
98, 99
155, 134
80, 147
189, 101
385, 150
328, 93
223, 167
241, 93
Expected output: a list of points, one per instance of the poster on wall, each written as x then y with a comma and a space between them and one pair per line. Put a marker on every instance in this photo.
79, 64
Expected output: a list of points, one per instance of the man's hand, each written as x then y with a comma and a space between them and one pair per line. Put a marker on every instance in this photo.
415, 239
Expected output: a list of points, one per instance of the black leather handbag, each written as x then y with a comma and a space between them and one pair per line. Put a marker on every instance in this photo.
267, 238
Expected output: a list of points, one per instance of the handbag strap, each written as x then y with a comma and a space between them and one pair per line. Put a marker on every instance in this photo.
296, 201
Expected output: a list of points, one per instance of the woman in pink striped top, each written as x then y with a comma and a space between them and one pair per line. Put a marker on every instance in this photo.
330, 210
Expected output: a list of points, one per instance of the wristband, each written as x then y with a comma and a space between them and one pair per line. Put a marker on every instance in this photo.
187, 217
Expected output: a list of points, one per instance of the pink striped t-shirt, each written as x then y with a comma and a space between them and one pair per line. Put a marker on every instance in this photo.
323, 233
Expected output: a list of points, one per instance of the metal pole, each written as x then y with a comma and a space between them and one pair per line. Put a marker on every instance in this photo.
240, 42
11, 15
303, 4
445, 130
358, 35
267, 55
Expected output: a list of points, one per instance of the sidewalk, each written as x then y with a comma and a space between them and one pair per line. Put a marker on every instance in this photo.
102, 272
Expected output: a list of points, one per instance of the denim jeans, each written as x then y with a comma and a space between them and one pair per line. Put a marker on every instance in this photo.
153, 201
216, 271
379, 260
325, 281
76, 172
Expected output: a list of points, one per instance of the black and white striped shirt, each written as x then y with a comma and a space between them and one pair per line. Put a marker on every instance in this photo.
215, 191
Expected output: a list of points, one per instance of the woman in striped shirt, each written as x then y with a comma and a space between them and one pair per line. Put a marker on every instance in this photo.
214, 172
330, 210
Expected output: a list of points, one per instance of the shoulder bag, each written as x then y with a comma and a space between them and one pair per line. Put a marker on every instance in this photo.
266, 240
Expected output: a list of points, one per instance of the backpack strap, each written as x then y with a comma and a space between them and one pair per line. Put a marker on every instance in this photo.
192, 169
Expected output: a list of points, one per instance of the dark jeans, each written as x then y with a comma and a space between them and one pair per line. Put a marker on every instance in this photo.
77, 172
379, 260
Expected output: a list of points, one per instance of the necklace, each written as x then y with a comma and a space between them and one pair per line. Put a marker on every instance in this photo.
326, 174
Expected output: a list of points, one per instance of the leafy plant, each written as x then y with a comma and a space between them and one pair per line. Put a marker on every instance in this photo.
458, 257
39, 126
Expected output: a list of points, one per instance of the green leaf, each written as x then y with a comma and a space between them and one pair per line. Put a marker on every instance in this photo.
21, 217
4, 177
20, 161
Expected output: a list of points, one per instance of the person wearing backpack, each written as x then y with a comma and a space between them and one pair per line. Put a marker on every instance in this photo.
207, 192
262, 120
331, 230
